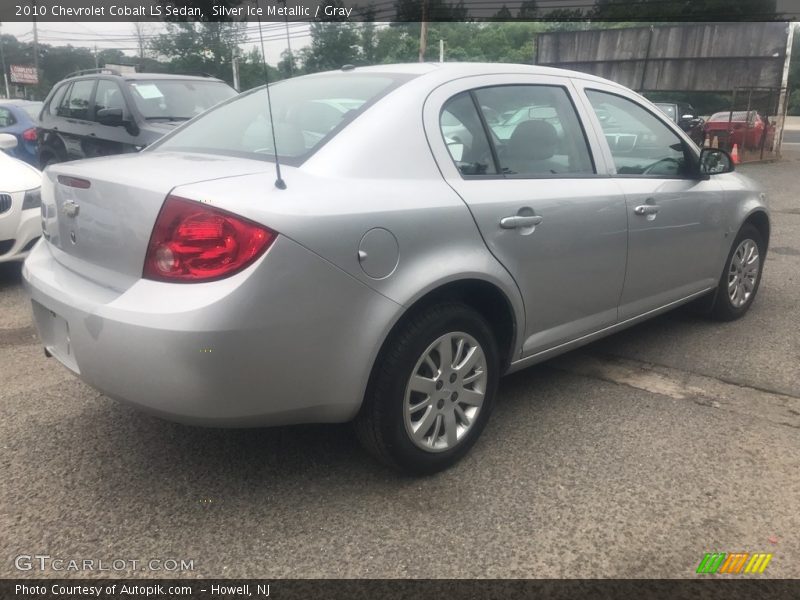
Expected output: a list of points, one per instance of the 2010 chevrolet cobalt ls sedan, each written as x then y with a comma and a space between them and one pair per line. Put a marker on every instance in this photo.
435, 227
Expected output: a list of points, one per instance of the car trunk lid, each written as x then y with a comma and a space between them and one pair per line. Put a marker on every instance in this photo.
98, 215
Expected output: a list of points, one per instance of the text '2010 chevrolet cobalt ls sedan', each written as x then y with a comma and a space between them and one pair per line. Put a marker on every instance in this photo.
439, 226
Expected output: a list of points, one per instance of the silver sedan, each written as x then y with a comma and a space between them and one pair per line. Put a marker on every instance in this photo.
416, 246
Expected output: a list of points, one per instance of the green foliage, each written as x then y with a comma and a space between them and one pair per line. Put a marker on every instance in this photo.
195, 48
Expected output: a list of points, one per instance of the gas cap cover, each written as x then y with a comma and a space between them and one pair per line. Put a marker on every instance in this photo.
378, 253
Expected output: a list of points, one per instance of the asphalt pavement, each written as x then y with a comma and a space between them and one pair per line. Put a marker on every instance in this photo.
631, 457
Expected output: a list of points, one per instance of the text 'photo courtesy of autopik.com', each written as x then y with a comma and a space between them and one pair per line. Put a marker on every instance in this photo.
399, 299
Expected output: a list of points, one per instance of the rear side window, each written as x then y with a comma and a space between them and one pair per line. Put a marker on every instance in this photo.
76, 103
538, 132
465, 136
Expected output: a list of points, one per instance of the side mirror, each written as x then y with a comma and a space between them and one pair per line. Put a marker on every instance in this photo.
715, 161
110, 116
7, 141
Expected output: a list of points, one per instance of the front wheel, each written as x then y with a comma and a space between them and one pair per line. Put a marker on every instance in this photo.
432, 390
741, 277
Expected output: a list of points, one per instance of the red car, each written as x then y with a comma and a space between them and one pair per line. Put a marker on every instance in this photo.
745, 128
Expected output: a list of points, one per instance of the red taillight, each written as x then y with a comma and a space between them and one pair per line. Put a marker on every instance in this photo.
29, 135
193, 242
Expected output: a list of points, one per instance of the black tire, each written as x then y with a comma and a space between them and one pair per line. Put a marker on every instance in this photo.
47, 160
381, 425
723, 308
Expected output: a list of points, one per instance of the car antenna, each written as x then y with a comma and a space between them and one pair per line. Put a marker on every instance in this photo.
279, 182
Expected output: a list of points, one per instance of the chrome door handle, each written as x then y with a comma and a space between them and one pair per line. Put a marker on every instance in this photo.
646, 209
520, 221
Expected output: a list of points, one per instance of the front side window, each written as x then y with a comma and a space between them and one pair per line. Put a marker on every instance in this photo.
108, 95
640, 143
307, 111
76, 102
465, 137
538, 132
55, 101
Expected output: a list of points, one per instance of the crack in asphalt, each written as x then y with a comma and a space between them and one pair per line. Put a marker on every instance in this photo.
709, 392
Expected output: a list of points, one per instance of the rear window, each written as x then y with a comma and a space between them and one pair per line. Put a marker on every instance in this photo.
33, 109
307, 111
738, 115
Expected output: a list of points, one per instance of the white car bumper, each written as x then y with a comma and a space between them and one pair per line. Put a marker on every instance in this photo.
19, 229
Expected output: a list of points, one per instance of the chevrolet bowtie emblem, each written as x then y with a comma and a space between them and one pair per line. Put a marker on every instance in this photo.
70, 208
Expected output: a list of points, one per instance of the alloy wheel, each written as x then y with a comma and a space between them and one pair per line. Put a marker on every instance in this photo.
743, 273
445, 392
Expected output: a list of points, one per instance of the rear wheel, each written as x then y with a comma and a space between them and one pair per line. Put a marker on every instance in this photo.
432, 391
741, 277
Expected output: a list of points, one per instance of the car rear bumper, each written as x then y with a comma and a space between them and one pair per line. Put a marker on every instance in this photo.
19, 236
285, 341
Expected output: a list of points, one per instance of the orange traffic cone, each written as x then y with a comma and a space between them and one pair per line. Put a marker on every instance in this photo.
735, 154
715, 142
706, 142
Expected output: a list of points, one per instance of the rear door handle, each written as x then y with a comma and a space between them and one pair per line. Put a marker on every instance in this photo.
646, 209
520, 221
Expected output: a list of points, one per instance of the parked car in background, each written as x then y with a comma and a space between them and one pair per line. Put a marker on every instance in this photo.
20, 203
18, 117
393, 274
686, 117
746, 128
102, 112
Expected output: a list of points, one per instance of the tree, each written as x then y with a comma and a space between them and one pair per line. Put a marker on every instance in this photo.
142, 31
334, 42
528, 10
503, 14
200, 47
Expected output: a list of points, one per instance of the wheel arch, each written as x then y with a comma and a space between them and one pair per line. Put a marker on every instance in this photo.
759, 219
486, 297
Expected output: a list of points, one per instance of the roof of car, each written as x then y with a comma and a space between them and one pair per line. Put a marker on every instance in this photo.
148, 76
18, 102
452, 70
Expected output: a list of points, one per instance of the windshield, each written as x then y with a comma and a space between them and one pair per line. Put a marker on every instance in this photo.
176, 99
307, 112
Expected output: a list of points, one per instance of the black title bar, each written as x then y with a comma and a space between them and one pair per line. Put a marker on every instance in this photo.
397, 10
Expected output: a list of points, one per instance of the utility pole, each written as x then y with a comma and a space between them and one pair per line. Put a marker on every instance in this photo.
423, 31
3, 60
441, 51
96, 61
35, 42
288, 40
235, 67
